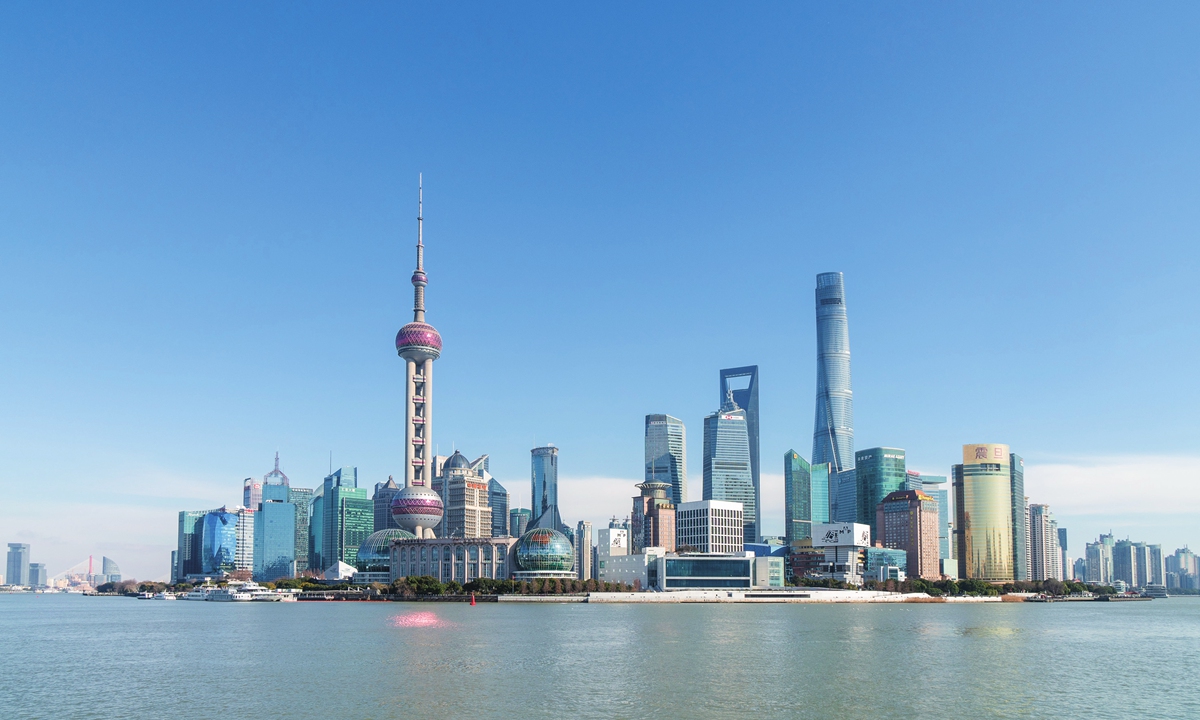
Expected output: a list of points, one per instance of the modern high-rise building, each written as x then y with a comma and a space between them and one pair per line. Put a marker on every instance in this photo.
583, 550
1098, 556
843, 496
465, 496
666, 454
18, 564
518, 521
251, 492
275, 534
1062, 551
110, 570
878, 472
218, 542
37, 575
653, 518
301, 499
498, 500
188, 552
1157, 574
727, 470
908, 521
243, 558
381, 503
805, 496
543, 479
983, 504
936, 487
1045, 558
342, 518
1016, 469
747, 399
833, 431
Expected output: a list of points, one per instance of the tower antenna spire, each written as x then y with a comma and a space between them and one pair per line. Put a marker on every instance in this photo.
418, 279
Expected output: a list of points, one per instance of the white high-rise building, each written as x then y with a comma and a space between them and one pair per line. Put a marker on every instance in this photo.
583, 550
1045, 559
710, 526
243, 557
612, 541
666, 454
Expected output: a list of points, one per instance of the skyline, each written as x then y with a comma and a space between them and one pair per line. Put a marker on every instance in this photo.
221, 286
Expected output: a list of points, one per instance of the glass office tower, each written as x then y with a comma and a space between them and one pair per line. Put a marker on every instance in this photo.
518, 521
18, 564
543, 479
666, 454
727, 473
1020, 534
805, 496
218, 545
833, 431
878, 472
301, 498
498, 500
274, 535
983, 495
747, 399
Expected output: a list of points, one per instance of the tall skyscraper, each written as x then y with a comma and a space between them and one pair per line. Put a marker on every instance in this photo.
983, 504
18, 564
218, 542
833, 431
1062, 550
381, 503
498, 500
1019, 532
275, 534
666, 454
805, 496
301, 499
727, 472
878, 472
543, 479
243, 557
1045, 558
747, 399
417, 507
190, 538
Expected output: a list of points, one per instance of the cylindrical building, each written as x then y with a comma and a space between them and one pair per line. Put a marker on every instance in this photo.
984, 485
833, 431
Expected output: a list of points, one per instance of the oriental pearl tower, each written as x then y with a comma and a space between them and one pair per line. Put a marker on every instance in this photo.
418, 508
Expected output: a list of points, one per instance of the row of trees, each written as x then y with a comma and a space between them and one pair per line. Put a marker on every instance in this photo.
979, 588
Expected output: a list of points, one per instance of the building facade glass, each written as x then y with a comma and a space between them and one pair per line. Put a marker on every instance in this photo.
1020, 533
727, 474
498, 499
666, 454
218, 545
878, 472
833, 430
18, 564
301, 498
275, 535
747, 399
381, 503
843, 496
543, 480
983, 485
805, 496
518, 521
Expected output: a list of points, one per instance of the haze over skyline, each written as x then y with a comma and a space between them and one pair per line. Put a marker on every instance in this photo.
207, 216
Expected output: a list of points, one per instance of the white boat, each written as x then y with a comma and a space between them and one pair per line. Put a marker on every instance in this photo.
165, 596
200, 593
229, 594
145, 596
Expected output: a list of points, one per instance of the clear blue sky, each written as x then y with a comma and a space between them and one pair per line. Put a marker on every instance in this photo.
207, 220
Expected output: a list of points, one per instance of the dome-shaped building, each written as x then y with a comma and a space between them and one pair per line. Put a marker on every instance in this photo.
375, 553
544, 553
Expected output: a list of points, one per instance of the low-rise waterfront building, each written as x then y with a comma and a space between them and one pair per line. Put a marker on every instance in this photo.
459, 559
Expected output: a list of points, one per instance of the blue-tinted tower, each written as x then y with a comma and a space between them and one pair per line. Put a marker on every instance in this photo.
833, 431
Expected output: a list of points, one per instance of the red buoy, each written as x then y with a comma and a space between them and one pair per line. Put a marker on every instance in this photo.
472, 599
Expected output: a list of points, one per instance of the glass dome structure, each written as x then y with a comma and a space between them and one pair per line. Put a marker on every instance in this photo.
545, 549
375, 553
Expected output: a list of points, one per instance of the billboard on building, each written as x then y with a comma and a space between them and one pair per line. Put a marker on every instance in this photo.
985, 453
841, 535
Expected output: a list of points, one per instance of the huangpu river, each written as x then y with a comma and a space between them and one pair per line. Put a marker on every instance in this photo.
108, 657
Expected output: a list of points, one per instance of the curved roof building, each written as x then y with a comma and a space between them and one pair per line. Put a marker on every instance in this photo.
375, 553
544, 550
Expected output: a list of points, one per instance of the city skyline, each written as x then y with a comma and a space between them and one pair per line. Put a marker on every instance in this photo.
220, 284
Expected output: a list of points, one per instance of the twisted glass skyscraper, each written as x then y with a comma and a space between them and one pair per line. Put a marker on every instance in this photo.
833, 433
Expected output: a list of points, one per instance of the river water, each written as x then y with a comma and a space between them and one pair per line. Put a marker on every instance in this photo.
103, 657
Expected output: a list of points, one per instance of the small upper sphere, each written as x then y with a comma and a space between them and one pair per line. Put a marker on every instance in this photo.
418, 341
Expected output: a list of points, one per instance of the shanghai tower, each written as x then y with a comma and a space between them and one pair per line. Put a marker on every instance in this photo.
833, 433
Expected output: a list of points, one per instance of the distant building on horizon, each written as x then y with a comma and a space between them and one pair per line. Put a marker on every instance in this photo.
833, 431
666, 454
37, 575
17, 572
747, 399
1045, 558
727, 469
983, 505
